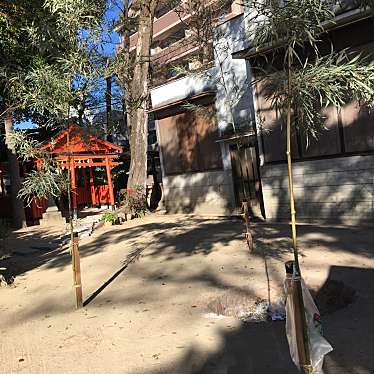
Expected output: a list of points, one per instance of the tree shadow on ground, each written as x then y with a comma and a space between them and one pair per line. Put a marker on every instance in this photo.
351, 330
275, 239
183, 237
186, 236
262, 348
192, 236
32, 249
254, 348
131, 257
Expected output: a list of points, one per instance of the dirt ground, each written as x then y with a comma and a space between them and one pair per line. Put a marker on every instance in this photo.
147, 284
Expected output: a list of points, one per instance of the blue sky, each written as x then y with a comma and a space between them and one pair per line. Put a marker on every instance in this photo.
111, 39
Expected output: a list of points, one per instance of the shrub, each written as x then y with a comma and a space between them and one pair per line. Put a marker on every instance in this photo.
110, 217
135, 200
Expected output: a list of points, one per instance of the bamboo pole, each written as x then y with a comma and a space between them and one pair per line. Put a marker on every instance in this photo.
77, 273
248, 234
74, 248
69, 195
289, 165
300, 317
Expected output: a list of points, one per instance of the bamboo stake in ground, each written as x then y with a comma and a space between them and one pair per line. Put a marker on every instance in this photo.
248, 234
77, 272
74, 248
301, 326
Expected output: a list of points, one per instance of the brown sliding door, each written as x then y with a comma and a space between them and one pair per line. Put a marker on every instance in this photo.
246, 178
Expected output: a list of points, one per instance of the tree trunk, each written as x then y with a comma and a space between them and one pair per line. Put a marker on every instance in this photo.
139, 97
124, 73
18, 210
108, 100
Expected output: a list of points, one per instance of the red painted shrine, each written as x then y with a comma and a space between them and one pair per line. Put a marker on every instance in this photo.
90, 161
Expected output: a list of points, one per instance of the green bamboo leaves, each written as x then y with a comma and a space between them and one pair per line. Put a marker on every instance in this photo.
48, 179
297, 27
335, 79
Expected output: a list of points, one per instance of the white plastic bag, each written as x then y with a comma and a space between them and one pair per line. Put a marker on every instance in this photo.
318, 345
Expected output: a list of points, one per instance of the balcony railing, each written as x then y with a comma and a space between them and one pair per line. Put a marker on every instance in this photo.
171, 21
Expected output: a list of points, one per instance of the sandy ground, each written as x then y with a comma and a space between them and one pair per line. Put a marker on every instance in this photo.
147, 285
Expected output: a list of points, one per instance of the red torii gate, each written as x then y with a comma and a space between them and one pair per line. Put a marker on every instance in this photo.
76, 148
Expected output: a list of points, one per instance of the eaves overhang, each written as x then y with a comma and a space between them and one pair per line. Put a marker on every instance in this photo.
343, 20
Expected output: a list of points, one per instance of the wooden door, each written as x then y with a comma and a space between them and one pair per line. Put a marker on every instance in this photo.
246, 177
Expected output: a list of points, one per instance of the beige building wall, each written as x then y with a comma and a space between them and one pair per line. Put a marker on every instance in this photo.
338, 190
208, 193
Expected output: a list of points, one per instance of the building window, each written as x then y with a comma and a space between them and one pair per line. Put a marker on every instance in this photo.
347, 131
358, 128
272, 129
188, 142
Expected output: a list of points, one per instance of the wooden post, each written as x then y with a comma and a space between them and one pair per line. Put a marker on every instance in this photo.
73, 189
302, 340
92, 187
248, 234
110, 184
77, 272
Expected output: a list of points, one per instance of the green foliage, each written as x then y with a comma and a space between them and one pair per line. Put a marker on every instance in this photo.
315, 81
74, 15
49, 63
110, 218
329, 80
47, 45
289, 23
45, 89
135, 200
48, 180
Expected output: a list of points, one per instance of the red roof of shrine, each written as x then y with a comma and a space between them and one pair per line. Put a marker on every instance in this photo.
77, 140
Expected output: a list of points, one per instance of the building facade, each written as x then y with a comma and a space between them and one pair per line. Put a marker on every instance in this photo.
333, 175
232, 148
195, 147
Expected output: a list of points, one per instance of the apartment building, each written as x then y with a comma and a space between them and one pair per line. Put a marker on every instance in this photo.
233, 148
195, 149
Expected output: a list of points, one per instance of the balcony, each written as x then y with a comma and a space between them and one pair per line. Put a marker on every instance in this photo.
175, 51
179, 54
166, 25
169, 22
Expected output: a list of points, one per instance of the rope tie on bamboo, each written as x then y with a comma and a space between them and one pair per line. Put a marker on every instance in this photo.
308, 368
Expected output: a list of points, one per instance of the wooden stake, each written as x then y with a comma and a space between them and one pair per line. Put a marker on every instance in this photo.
77, 272
248, 234
294, 285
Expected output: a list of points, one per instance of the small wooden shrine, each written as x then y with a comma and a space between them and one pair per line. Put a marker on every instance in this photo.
90, 161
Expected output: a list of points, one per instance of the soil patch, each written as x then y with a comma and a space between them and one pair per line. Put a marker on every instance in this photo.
333, 296
241, 307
